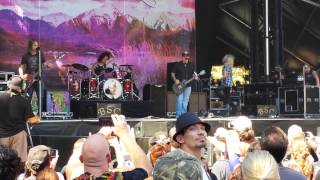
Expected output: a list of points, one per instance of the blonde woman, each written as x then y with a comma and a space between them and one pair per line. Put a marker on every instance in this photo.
301, 159
259, 165
226, 80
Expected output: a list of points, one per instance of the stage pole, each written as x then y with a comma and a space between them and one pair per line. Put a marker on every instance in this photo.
266, 34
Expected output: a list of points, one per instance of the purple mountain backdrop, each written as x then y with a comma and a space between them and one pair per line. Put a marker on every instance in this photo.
143, 38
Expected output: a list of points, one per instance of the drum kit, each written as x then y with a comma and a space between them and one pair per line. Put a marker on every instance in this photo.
114, 83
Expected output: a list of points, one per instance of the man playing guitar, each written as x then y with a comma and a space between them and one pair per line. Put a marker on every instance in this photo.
29, 68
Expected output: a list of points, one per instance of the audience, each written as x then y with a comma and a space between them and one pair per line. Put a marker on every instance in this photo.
221, 167
113, 153
47, 174
275, 141
96, 154
10, 163
74, 167
300, 159
258, 165
39, 158
185, 162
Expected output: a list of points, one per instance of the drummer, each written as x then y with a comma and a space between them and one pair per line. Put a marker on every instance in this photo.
98, 69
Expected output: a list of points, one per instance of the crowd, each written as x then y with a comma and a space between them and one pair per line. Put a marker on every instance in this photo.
182, 153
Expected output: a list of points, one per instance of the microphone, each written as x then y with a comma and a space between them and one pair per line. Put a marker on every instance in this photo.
38, 48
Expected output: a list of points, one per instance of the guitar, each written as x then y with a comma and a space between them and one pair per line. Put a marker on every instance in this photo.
178, 88
32, 78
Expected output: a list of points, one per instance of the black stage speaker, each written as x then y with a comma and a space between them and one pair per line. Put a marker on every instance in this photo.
156, 94
291, 101
312, 101
169, 79
198, 102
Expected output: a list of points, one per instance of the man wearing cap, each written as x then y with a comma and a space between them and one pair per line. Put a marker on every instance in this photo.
15, 111
39, 158
185, 162
183, 70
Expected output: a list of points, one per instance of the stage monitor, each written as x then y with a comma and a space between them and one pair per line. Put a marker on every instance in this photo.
58, 101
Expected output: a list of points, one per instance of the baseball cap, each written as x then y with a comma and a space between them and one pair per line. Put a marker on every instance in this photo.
37, 156
185, 53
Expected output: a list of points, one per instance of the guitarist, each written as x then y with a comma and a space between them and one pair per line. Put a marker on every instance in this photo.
29, 68
183, 70
228, 61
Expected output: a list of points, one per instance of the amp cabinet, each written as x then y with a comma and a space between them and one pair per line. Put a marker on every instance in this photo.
312, 103
291, 101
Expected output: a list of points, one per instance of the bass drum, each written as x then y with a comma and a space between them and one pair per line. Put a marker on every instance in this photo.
112, 89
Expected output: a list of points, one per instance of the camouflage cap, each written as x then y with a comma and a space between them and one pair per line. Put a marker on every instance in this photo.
177, 165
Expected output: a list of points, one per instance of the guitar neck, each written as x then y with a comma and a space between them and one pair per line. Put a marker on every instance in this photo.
188, 81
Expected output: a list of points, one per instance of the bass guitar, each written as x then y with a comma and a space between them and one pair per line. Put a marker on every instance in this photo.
32, 78
178, 88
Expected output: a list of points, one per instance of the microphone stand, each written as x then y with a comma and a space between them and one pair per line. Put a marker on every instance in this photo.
40, 84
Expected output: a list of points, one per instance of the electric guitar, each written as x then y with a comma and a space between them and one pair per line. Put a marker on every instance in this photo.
178, 88
32, 78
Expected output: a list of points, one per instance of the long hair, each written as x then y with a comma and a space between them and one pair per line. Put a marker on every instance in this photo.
300, 155
260, 165
30, 43
229, 59
107, 53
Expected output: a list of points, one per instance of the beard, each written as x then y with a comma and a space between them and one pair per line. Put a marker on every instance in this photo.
200, 145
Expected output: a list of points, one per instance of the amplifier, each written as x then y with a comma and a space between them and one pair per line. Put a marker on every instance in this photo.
312, 101
291, 101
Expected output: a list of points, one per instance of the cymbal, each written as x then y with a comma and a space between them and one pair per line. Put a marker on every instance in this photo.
80, 67
126, 65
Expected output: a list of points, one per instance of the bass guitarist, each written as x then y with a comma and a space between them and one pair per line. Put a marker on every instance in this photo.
29, 68
183, 70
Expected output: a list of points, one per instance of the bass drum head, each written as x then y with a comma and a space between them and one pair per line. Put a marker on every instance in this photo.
112, 89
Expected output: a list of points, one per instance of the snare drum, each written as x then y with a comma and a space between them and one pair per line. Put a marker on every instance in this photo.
127, 86
112, 89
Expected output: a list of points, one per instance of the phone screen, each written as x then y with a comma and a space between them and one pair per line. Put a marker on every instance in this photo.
53, 153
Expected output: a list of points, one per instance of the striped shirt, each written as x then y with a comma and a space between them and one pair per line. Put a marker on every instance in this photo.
228, 81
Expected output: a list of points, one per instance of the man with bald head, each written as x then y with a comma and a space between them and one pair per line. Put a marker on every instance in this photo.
96, 154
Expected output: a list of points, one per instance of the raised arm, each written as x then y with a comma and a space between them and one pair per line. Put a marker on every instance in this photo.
137, 155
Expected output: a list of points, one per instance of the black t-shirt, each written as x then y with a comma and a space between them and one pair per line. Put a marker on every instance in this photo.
32, 62
183, 71
14, 112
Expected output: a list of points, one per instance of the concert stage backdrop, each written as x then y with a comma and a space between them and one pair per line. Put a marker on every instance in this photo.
145, 33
